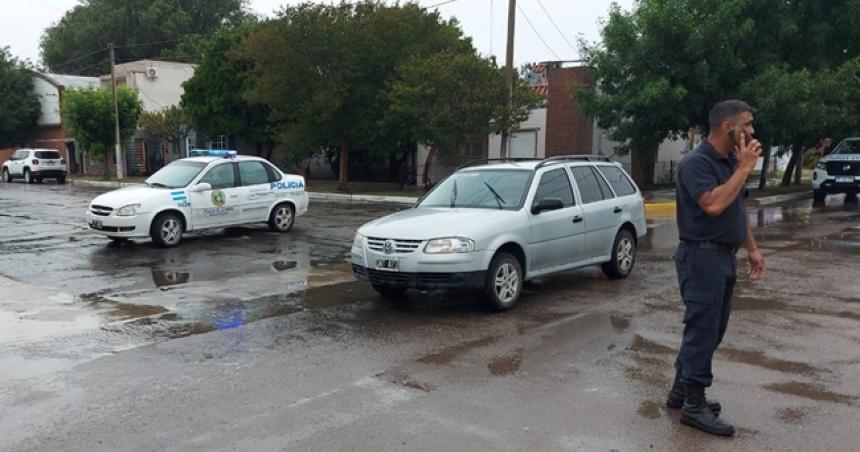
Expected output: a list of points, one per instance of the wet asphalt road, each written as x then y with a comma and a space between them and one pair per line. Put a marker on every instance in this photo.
249, 340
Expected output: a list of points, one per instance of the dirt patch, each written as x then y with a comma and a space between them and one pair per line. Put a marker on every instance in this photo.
650, 409
810, 391
792, 416
408, 382
448, 355
505, 365
619, 322
640, 344
759, 359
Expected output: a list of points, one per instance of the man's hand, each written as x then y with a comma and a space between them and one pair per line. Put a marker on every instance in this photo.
748, 153
755, 265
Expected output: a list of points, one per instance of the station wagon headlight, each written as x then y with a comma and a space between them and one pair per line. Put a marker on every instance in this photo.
128, 211
358, 241
449, 245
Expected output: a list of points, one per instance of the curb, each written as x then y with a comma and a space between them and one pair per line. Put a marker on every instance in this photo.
660, 209
768, 200
361, 199
101, 183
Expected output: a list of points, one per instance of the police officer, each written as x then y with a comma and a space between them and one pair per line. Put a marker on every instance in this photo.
712, 226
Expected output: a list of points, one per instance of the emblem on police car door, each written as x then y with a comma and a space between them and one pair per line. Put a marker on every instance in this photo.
218, 198
388, 247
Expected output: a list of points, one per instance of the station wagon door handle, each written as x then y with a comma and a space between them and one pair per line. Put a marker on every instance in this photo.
577, 219
617, 210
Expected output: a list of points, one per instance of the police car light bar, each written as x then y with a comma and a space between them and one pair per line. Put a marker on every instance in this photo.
212, 153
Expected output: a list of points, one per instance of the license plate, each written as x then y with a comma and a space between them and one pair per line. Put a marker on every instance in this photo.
392, 265
844, 179
96, 224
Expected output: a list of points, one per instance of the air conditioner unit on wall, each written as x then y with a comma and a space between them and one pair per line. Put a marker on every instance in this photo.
151, 73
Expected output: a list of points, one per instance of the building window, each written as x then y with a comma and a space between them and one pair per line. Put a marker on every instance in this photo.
219, 142
472, 150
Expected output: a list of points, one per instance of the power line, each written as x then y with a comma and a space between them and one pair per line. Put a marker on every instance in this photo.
440, 4
54, 67
526, 17
166, 41
549, 16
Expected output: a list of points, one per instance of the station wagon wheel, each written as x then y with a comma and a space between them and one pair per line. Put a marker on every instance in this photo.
504, 282
623, 256
166, 230
27, 177
282, 218
6, 175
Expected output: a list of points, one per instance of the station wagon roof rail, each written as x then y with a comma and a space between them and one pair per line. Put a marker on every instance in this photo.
572, 158
498, 160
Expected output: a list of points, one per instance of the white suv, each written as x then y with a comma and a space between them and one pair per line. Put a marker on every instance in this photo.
496, 224
33, 165
839, 171
214, 189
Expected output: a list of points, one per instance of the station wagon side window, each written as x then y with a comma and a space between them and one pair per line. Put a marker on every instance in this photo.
592, 187
618, 180
555, 184
221, 176
253, 173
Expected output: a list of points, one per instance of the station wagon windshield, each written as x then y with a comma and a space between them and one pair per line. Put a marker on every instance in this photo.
175, 175
481, 189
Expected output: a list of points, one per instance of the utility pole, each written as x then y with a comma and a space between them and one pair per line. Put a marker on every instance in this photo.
509, 77
118, 146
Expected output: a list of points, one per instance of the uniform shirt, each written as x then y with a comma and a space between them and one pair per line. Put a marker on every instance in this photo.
702, 170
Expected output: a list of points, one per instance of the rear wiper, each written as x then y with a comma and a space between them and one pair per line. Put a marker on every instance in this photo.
498, 197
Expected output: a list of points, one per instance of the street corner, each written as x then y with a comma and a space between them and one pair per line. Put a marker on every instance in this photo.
660, 209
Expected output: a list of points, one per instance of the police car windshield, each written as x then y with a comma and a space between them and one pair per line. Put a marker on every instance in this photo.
175, 175
480, 189
848, 147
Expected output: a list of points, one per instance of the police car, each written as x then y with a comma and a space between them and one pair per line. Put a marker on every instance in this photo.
210, 189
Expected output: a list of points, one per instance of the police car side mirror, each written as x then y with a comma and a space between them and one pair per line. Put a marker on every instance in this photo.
203, 186
547, 204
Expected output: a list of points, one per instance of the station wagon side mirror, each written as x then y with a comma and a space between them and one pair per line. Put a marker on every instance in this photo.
547, 204
203, 186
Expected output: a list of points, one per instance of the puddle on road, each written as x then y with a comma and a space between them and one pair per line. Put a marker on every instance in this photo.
163, 278
450, 354
810, 391
284, 265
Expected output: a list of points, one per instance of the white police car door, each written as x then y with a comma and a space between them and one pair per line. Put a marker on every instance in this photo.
557, 235
222, 205
254, 177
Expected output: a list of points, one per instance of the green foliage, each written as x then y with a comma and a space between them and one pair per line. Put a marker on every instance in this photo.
19, 107
72, 45
88, 115
169, 125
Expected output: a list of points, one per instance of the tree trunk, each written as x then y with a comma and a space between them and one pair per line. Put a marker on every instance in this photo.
798, 169
270, 149
343, 169
428, 166
762, 181
789, 169
643, 158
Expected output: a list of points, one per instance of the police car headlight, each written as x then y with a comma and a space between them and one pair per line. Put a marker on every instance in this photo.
450, 245
128, 211
358, 241
821, 166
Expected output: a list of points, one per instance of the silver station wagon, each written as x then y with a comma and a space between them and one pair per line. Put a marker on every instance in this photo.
495, 224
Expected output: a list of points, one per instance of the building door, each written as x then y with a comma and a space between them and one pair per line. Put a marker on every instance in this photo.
72, 156
523, 144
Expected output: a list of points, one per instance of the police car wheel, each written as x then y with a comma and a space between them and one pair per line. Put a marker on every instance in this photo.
390, 292
623, 256
166, 230
818, 195
504, 282
282, 218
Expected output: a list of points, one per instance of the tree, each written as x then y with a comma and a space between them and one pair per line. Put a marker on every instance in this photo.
214, 98
448, 98
168, 125
324, 71
662, 66
19, 106
139, 28
88, 115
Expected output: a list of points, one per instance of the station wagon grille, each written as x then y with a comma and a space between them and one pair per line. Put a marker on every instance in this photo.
397, 246
843, 168
100, 210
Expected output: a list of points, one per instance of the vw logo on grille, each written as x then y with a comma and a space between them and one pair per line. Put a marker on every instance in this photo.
846, 168
388, 247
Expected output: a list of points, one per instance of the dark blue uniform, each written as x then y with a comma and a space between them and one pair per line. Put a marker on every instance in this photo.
705, 259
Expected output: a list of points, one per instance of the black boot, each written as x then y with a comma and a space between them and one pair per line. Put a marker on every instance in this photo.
676, 397
696, 413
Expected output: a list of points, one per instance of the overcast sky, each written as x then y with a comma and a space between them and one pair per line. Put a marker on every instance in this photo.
23, 21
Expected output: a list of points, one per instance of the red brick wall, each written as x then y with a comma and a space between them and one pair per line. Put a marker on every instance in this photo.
5, 154
568, 129
51, 138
